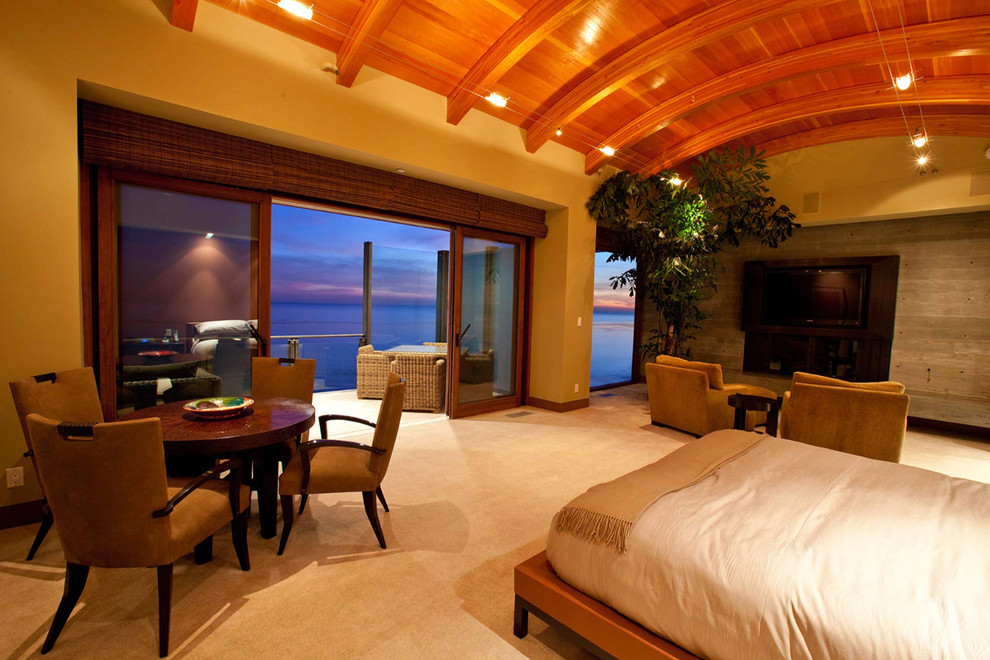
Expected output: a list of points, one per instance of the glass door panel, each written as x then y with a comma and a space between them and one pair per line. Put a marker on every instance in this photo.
187, 291
404, 296
488, 324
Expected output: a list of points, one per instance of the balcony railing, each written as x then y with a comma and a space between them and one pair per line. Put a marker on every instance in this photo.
335, 355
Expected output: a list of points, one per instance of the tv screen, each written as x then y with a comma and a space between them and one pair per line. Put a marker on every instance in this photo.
814, 297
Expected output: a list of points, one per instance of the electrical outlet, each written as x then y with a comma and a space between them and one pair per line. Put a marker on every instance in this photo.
15, 477
575, 391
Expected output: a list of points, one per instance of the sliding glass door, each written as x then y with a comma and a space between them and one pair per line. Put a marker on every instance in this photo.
487, 322
183, 316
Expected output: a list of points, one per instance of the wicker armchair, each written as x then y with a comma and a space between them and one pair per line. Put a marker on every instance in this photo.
478, 367
372, 372
426, 380
141, 391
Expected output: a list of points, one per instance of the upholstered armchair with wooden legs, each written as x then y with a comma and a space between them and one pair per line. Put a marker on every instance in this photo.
340, 466
69, 394
115, 508
867, 419
691, 396
287, 377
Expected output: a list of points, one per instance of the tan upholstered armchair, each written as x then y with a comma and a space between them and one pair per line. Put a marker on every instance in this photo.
372, 372
868, 419
340, 466
70, 394
293, 378
426, 380
691, 396
115, 508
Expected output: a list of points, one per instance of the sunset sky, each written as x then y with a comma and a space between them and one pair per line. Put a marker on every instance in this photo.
607, 300
317, 257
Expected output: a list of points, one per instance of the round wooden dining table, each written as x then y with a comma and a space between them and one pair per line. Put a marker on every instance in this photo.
257, 434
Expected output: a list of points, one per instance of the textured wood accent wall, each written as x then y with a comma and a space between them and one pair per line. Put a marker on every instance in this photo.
941, 349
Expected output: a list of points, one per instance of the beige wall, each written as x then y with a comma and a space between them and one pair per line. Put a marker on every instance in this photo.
877, 179
237, 76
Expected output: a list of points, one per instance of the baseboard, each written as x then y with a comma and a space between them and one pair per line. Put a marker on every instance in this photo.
978, 432
567, 406
24, 513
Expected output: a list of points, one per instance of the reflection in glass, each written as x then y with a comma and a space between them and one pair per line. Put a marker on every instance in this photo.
612, 325
487, 350
187, 289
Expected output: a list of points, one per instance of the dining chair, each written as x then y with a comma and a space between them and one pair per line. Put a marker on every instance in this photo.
115, 508
341, 466
69, 394
283, 377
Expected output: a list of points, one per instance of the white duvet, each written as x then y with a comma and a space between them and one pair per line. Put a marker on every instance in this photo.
793, 551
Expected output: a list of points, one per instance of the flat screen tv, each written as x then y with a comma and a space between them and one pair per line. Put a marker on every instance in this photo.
827, 297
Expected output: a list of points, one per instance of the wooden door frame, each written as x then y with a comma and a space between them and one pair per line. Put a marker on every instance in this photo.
522, 304
100, 261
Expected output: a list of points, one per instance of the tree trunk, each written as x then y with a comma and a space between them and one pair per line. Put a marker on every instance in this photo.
670, 340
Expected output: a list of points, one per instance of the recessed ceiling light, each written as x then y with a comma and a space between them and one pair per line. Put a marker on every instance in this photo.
608, 151
903, 82
400, 170
497, 99
297, 8
922, 159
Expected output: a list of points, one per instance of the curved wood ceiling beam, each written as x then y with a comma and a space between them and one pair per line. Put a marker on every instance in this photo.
183, 13
695, 31
936, 125
540, 20
368, 25
951, 90
969, 35
271, 15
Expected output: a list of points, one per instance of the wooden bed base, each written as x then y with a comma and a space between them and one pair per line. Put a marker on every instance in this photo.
605, 631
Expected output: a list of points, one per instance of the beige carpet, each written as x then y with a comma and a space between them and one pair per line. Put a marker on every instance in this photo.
469, 498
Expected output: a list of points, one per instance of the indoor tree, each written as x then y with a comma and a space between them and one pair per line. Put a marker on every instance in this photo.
674, 230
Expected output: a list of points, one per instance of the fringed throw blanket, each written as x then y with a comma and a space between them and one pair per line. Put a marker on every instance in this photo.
605, 513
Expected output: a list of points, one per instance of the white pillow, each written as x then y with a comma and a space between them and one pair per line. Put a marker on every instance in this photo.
227, 328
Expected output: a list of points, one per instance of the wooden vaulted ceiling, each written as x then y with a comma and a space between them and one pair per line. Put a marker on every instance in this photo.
661, 82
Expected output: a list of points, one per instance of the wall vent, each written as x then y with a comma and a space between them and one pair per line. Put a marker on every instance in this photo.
979, 183
811, 202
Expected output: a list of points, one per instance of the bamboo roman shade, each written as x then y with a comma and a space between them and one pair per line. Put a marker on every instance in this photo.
112, 137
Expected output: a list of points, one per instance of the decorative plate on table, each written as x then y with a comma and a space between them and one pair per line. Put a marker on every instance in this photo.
219, 407
156, 353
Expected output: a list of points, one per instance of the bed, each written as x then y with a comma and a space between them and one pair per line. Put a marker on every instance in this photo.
743, 545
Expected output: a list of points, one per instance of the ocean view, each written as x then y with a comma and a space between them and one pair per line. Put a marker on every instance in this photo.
611, 347
392, 325
336, 358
